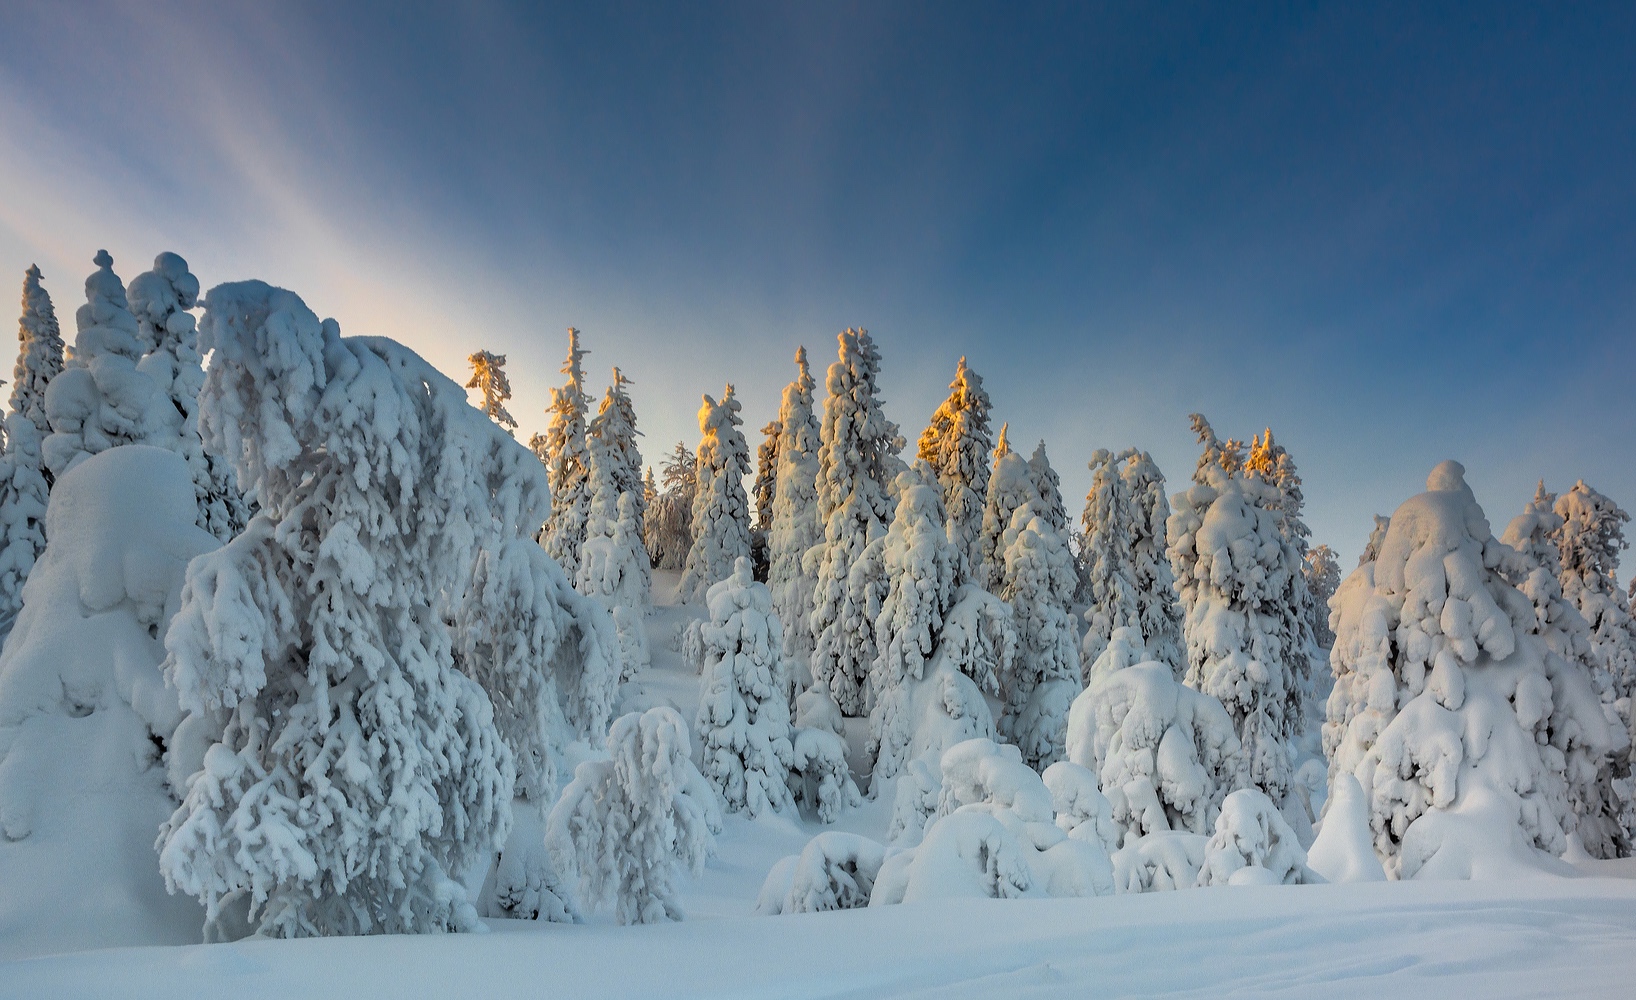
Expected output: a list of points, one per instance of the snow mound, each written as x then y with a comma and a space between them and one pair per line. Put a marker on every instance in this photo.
85, 716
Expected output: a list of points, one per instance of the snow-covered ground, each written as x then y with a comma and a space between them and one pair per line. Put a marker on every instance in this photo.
1536, 938
1570, 938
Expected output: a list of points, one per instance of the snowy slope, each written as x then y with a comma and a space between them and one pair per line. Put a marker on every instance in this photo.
1569, 938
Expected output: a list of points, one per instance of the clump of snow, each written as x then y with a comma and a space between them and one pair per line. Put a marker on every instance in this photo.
1344, 850
1253, 845
1164, 754
993, 834
85, 717
624, 826
835, 871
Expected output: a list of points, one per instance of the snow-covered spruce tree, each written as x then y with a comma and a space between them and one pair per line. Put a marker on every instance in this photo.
835, 871
25, 482
100, 400
1272, 463
1045, 677
39, 355
488, 376
1048, 487
627, 823
1247, 641
796, 527
316, 635
1588, 541
941, 645
1442, 704
1165, 754
957, 444
744, 700
568, 461
858, 448
1107, 555
1010, 485
1156, 600
1323, 573
1589, 805
160, 300
721, 511
613, 566
669, 528
766, 493
614, 430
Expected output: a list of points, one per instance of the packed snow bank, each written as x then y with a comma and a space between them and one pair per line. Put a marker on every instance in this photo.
85, 714
1557, 938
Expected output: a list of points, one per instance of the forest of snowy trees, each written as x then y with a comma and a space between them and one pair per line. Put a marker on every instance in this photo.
306, 639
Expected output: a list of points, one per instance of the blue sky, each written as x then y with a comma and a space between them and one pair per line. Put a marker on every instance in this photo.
1394, 235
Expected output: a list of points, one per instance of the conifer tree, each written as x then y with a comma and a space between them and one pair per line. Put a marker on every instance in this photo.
857, 451
1323, 573
669, 528
1045, 679
353, 775
24, 486
614, 567
766, 492
721, 511
100, 400
1156, 597
796, 528
568, 462
488, 376
1048, 486
160, 300
1589, 541
614, 426
1108, 555
1010, 485
957, 444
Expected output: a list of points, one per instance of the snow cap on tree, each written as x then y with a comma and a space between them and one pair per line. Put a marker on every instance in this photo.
488, 376
721, 511
957, 444
796, 528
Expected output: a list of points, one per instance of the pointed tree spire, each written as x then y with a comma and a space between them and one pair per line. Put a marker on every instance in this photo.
568, 463
956, 445
488, 376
